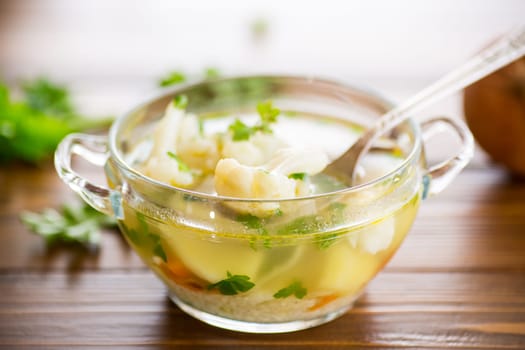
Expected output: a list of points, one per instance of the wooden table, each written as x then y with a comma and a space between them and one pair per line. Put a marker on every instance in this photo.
458, 280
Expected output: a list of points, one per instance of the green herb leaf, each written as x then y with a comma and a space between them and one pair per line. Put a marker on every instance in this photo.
46, 97
241, 131
211, 73
233, 284
173, 78
250, 221
298, 176
180, 101
79, 224
295, 289
31, 129
267, 112
182, 166
158, 250
303, 225
132, 234
326, 240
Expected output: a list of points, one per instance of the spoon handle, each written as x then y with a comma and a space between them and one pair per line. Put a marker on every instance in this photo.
507, 49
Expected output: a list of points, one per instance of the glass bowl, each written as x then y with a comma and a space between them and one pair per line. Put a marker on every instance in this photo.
303, 266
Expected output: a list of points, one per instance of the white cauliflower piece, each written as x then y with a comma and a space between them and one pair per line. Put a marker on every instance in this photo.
168, 170
233, 179
269, 181
255, 151
165, 134
374, 238
292, 160
195, 149
179, 134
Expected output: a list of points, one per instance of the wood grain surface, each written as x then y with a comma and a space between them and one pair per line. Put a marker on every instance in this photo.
458, 280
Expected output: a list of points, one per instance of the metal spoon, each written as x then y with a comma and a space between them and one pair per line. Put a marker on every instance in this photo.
509, 48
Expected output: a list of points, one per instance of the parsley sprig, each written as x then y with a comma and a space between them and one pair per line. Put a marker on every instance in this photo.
78, 224
267, 116
295, 289
298, 176
233, 284
32, 127
172, 78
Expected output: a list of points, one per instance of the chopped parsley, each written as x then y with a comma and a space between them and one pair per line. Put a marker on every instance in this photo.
250, 221
180, 101
157, 249
233, 284
303, 225
211, 73
295, 289
143, 231
182, 166
267, 114
326, 240
173, 78
298, 176
241, 131
254, 223
32, 126
72, 224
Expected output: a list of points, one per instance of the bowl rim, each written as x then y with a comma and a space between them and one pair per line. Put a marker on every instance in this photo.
117, 125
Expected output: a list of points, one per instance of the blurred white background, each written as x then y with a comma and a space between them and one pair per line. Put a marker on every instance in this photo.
113, 51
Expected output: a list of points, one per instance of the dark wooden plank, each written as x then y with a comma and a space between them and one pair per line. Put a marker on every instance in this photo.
461, 310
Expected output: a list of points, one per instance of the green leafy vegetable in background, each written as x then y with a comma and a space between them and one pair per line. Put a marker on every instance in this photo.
79, 224
30, 129
267, 114
211, 73
295, 289
233, 284
41, 95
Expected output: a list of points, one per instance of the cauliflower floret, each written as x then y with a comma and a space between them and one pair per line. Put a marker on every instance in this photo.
168, 170
255, 151
374, 238
233, 179
269, 181
179, 144
195, 149
293, 160
165, 134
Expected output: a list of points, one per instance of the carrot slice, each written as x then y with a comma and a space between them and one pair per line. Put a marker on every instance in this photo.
180, 274
322, 301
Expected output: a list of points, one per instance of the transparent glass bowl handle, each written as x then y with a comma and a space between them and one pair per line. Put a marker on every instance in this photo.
92, 148
439, 176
